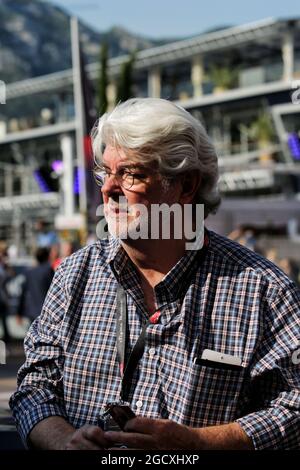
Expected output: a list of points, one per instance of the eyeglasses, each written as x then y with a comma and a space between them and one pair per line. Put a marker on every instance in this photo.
125, 177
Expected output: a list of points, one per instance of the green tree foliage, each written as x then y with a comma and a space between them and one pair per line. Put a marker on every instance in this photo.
262, 129
124, 87
223, 77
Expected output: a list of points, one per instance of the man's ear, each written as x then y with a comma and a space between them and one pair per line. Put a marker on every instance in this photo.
190, 183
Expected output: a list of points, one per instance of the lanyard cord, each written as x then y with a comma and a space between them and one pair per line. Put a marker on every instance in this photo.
127, 370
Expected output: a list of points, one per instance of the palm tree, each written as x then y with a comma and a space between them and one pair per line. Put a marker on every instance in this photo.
223, 78
263, 132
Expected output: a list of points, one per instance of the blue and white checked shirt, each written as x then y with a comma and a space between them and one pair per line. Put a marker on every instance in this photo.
236, 303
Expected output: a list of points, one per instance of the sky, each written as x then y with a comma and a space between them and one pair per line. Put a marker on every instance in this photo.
175, 18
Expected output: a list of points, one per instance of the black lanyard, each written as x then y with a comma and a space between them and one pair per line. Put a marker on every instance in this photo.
127, 370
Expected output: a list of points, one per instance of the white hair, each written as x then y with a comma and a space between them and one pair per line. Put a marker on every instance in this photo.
156, 131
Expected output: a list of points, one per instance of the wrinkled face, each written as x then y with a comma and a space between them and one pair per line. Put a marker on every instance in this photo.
127, 185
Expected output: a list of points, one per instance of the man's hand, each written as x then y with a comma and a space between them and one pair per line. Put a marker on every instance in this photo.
87, 438
146, 433
163, 434
55, 433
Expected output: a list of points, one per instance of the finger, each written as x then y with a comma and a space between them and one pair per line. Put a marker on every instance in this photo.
130, 439
113, 436
95, 435
141, 425
82, 444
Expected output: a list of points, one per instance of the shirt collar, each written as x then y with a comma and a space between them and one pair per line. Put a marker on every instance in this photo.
171, 286
117, 257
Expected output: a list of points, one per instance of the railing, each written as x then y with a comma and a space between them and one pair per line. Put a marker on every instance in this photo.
17, 180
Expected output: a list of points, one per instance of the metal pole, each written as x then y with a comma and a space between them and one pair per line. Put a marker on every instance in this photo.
67, 178
17, 228
288, 56
79, 114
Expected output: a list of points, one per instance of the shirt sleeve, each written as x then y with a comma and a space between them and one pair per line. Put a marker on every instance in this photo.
275, 376
40, 380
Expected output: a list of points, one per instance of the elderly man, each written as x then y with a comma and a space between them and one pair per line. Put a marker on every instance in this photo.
200, 342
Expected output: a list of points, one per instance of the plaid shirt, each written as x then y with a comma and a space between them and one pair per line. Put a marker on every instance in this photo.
236, 303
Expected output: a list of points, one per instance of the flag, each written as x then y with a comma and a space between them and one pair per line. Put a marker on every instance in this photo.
89, 119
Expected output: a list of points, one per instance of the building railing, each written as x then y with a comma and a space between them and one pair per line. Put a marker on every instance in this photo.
17, 180
61, 110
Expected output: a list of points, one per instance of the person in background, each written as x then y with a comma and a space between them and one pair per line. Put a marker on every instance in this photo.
54, 256
45, 238
290, 268
4, 300
36, 285
66, 249
244, 236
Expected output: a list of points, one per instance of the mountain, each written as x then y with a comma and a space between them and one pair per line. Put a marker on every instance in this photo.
35, 40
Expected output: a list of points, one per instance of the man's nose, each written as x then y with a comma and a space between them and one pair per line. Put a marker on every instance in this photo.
111, 185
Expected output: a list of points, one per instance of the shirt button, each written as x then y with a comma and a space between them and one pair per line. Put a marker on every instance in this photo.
139, 404
152, 352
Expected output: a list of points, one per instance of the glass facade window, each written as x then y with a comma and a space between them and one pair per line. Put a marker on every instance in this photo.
176, 81
32, 111
140, 83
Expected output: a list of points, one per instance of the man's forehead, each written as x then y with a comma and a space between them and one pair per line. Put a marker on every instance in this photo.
116, 157
122, 164
113, 155
114, 152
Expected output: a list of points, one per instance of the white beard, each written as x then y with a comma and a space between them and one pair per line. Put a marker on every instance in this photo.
120, 225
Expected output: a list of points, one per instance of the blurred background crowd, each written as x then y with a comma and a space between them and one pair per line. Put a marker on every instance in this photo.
24, 282
230, 64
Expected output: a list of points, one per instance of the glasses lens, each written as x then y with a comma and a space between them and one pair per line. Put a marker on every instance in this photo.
99, 177
127, 181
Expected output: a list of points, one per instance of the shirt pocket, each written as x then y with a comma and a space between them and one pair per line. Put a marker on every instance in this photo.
215, 392
204, 395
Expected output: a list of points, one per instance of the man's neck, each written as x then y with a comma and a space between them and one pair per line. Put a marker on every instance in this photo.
154, 258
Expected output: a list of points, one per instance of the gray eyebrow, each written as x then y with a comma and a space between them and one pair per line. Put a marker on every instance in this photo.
124, 165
